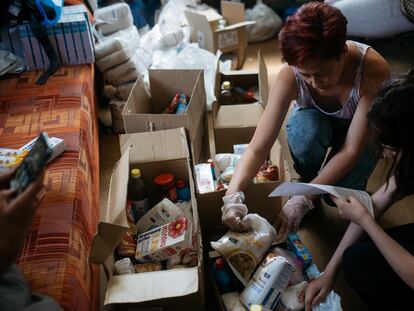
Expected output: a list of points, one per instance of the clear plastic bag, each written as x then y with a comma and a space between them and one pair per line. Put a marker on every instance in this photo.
170, 21
331, 303
224, 160
289, 300
268, 23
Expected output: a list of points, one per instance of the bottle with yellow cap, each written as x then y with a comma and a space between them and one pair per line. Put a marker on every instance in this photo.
138, 194
227, 94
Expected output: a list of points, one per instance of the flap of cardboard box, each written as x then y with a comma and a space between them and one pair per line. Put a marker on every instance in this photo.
171, 145
138, 95
201, 30
142, 287
238, 116
114, 223
233, 12
235, 26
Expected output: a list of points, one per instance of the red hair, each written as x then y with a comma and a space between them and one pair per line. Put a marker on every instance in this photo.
316, 31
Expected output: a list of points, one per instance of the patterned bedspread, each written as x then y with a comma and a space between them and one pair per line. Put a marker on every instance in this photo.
54, 258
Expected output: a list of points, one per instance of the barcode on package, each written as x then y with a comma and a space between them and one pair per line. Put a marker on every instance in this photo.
227, 39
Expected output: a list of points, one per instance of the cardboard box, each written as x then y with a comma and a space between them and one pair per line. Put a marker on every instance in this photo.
257, 199
230, 125
154, 153
143, 112
232, 38
236, 124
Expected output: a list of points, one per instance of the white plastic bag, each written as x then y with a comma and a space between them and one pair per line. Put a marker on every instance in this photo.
225, 160
268, 23
113, 18
170, 21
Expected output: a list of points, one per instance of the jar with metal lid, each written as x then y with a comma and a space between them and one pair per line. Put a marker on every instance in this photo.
166, 186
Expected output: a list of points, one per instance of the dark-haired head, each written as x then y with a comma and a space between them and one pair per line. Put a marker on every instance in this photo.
317, 31
391, 122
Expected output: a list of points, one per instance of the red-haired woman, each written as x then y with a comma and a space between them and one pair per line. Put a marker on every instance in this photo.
333, 82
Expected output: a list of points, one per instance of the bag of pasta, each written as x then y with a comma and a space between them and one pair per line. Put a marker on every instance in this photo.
244, 251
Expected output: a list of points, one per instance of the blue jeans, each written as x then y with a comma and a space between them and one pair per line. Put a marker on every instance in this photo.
310, 133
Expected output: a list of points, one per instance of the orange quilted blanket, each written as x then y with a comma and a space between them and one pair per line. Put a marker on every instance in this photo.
54, 258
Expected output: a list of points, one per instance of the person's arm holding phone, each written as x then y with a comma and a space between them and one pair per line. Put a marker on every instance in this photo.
16, 215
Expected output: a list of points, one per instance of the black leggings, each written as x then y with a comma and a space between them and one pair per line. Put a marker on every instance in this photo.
370, 275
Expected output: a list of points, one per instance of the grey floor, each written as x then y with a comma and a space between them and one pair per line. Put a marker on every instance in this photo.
322, 228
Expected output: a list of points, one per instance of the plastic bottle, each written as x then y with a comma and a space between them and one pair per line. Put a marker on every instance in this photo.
183, 191
226, 95
222, 276
138, 194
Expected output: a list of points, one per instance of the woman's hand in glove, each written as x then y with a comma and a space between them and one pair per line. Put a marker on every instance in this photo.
233, 212
291, 215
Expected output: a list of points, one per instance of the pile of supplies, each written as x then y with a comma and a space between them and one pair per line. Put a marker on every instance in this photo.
216, 174
160, 236
118, 56
249, 270
231, 95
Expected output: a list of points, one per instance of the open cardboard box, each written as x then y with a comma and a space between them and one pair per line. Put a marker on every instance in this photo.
232, 38
154, 153
234, 128
257, 199
236, 124
143, 112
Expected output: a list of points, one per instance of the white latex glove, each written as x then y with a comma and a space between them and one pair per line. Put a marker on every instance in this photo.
233, 212
291, 215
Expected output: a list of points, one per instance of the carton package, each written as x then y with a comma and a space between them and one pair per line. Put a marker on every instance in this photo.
165, 241
236, 124
164, 212
231, 38
57, 144
144, 112
154, 153
10, 158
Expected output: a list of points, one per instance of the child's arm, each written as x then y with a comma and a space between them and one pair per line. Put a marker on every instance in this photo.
320, 288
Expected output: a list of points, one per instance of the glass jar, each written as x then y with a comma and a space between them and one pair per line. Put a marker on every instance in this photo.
166, 186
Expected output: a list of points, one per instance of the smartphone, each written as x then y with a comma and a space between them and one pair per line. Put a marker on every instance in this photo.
32, 164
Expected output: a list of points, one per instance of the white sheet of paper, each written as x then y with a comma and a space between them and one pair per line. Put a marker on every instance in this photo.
297, 188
